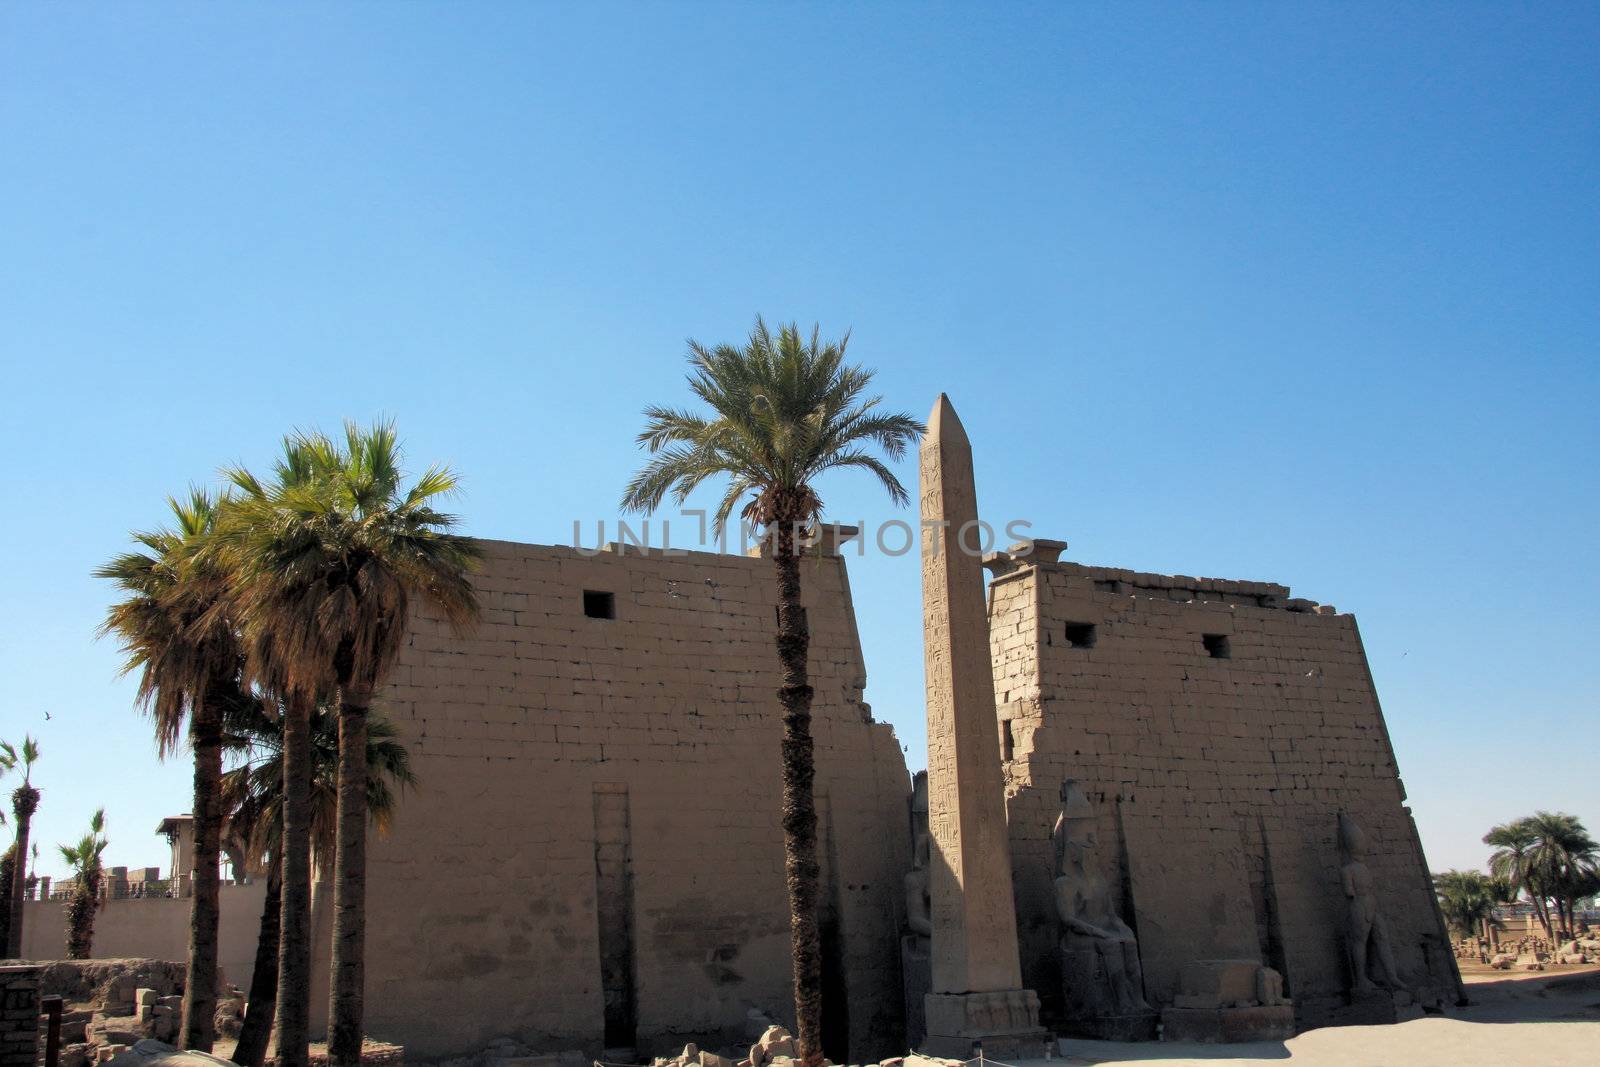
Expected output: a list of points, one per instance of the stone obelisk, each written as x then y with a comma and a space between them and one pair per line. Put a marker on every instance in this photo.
977, 979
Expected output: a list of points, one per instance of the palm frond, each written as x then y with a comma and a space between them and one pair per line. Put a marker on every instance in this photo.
784, 409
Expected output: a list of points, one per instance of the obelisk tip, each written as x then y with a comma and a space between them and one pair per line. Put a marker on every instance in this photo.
943, 420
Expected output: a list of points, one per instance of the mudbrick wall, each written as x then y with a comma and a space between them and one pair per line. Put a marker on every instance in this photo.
19, 1016
1219, 728
594, 857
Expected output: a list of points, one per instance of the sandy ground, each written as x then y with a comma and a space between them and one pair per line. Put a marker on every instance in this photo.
1537, 1020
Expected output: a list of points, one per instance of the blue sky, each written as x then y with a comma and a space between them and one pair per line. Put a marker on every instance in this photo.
1304, 293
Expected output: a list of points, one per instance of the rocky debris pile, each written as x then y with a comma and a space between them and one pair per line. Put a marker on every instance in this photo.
1579, 951
109, 982
111, 1006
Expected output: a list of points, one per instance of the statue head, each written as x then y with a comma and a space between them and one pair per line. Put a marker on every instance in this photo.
1352, 842
1074, 833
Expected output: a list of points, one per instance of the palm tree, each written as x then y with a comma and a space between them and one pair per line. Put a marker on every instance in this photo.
24, 802
177, 632
1549, 856
332, 557
784, 411
253, 792
1513, 842
1562, 856
84, 858
1466, 898
8, 866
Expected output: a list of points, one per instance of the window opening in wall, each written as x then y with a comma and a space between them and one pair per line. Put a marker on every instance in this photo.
1217, 646
1080, 634
1008, 741
599, 605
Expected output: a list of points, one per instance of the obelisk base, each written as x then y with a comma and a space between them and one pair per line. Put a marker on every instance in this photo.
1005, 1023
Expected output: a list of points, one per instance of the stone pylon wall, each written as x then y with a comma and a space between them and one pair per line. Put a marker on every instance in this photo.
580, 771
1218, 728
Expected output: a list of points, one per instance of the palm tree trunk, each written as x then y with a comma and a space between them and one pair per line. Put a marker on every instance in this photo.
294, 954
347, 986
799, 803
8, 868
24, 801
80, 917
251, 1051
197, 1026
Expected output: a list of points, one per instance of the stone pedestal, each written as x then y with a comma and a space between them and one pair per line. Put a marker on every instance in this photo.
1228, 1001
1091, 1006
916, 971
1005, 1023
1132, 1026
1229, 1026
1374, 1007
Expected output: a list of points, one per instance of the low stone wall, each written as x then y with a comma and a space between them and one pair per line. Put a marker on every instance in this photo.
152, 928
19, 1016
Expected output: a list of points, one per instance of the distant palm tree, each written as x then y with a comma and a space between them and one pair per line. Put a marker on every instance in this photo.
332, 556
254, 796
24, 802
1564, 856
1512, 843
1466, 898
85, 860
784, 411
178, 633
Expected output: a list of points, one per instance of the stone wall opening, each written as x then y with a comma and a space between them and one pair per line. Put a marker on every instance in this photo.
598, 604
1080, 634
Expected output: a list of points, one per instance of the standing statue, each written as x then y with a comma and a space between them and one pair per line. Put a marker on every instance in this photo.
919, 902
1366, 937
1102, 982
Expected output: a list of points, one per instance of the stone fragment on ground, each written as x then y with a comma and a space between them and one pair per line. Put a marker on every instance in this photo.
149, 1053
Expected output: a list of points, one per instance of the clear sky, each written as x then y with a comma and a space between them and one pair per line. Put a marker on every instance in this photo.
1294, 292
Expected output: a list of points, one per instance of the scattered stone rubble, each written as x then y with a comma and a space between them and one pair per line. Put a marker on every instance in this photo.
112, 1005
775, 1047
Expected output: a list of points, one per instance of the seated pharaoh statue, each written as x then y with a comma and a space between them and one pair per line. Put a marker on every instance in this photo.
1102, 982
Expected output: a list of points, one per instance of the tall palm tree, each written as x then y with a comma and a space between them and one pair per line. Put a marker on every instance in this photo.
253, 792
24, 802
177, 632
784, 411
85, 860
332, 559
244, 544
